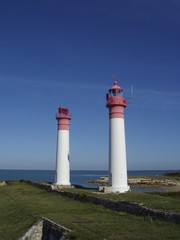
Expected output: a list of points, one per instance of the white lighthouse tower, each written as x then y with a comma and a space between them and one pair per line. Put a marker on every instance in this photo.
117, 144
62, 158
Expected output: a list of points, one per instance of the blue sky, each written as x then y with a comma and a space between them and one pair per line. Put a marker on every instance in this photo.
64, 52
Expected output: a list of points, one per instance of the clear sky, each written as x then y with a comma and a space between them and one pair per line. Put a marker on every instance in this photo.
64, 52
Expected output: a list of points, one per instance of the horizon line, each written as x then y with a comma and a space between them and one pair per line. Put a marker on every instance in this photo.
88, 169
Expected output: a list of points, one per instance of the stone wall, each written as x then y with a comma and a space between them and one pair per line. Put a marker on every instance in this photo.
35, 232
53, 231
123, 206
46, 229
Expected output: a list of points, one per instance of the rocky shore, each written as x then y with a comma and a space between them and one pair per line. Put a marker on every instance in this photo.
170, 183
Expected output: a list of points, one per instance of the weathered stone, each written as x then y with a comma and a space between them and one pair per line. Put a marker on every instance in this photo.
2, 184
60, 187
46, 229
34, 233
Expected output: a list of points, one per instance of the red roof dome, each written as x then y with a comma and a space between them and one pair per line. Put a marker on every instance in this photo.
116, 87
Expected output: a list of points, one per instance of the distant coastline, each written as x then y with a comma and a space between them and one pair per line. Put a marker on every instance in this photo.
169, 181
79, 177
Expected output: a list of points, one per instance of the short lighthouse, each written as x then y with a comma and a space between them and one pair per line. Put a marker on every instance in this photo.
117, 144
62, 157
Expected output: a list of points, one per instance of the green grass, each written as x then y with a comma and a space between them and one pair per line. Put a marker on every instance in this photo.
156, 200
168, 202
21, 205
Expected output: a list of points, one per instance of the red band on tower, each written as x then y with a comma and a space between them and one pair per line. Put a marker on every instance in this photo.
63, 118
116, 112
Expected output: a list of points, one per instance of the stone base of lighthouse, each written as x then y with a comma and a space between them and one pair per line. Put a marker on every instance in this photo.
59, 187
110, 189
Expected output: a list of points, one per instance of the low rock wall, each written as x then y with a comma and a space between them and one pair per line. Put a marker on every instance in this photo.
52, 230
123, 206
46, 229
35, 232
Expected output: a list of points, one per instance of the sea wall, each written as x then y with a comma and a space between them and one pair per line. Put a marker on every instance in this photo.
123, 206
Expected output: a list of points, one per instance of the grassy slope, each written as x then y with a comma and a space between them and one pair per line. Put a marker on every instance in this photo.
21, 205
167, 201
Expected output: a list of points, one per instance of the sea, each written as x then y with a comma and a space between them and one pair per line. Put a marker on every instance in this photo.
78, 177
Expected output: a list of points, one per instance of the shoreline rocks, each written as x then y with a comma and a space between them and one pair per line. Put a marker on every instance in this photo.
149, 181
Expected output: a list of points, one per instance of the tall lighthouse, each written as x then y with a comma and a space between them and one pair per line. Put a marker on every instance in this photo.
117, 144
62, 157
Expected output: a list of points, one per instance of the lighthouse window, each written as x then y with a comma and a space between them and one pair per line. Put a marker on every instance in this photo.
110, 93
114, 92
120, 93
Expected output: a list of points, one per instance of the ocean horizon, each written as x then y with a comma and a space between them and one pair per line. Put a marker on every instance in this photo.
77, 177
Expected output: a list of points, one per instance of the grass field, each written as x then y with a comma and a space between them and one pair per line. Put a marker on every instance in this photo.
21, 205
156, 200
